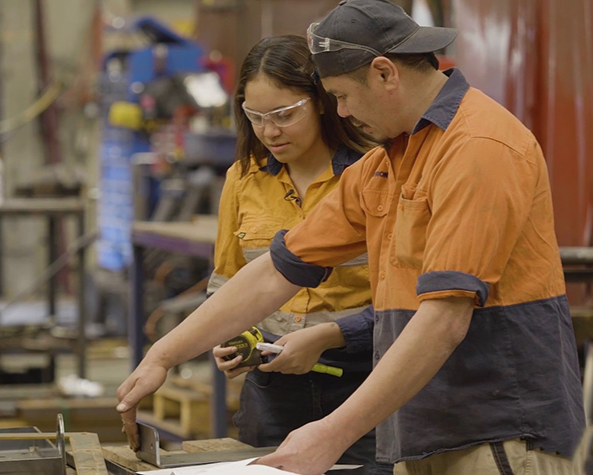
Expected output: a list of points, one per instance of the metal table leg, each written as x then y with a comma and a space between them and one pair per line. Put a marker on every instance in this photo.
136, 319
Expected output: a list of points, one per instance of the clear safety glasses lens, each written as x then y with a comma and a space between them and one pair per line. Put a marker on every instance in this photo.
282, 117
318, 44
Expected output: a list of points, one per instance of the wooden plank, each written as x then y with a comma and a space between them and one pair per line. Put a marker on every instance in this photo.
85, 448
126, 457
87, 453
213, 445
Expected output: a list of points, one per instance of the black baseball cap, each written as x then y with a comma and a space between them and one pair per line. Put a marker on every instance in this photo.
356, 31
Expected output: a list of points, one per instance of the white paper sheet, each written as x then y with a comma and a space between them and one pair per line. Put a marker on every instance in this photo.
224, 468
240, 467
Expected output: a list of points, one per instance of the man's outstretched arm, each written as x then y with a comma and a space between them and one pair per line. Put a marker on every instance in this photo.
255, 292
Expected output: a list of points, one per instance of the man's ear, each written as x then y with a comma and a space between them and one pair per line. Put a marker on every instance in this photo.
384, 70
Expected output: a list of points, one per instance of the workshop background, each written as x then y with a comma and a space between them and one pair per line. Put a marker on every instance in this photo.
115, 133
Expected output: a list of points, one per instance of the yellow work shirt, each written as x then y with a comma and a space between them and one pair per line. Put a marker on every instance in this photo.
253, 208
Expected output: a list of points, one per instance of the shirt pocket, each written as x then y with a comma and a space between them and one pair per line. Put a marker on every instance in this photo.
375, 202
255, 237
411, 224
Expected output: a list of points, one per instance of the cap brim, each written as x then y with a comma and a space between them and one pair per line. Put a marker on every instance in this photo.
426, 40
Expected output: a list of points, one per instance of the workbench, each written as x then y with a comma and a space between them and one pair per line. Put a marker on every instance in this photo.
54, 210
122, 460
577, 263
193, 238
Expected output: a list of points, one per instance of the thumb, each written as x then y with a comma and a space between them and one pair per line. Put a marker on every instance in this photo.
130, 401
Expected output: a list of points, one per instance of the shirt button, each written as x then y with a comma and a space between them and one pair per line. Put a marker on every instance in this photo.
377, 356
382, 275
298, 318
390, 235
380, 208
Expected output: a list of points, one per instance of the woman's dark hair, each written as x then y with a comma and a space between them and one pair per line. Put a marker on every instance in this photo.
286, 61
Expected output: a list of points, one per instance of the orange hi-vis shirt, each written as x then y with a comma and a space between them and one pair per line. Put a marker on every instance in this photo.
460, 208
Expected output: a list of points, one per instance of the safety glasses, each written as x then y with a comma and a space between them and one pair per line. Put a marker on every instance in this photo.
318, 44
282, 117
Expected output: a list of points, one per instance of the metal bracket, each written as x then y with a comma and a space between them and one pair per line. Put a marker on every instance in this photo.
26, 450
150, 452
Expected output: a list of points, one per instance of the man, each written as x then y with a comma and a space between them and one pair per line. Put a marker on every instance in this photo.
476, 366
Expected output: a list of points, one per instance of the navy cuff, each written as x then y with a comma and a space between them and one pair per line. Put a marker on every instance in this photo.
439, 281
294, 269
357, 330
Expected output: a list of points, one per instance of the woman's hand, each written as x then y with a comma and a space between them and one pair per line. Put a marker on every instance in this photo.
303, 348
229, 367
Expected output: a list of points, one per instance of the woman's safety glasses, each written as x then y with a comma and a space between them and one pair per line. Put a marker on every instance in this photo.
318, 44
282, 117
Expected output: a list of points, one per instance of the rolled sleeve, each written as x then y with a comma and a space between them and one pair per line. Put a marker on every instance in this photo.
294, 269
357, 330
443, 284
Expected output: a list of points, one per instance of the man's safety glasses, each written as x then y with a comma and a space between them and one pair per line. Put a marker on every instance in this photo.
318, 44
282, 117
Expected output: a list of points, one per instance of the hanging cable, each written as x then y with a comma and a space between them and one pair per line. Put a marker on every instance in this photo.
33, 111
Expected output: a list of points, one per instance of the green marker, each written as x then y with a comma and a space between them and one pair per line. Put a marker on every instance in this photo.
323, 368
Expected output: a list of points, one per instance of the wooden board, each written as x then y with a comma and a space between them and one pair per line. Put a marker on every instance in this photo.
126, 457
213, 445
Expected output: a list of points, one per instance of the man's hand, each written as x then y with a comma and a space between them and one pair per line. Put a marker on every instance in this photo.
311, 450
229, 367
146, 379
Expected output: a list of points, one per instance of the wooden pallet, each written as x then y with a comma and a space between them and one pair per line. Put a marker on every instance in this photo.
183, 407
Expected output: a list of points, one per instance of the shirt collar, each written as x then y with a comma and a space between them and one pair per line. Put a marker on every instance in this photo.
444, 107
344, 157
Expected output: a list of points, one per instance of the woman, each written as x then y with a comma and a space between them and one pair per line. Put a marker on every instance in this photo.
292, 148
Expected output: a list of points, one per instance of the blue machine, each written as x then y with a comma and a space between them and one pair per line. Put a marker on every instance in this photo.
125, 75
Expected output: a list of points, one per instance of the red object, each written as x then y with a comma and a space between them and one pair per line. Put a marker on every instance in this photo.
445, 62
225, 68
536, 58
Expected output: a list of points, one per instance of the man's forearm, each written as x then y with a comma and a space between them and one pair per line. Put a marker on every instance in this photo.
414, 358
255, 292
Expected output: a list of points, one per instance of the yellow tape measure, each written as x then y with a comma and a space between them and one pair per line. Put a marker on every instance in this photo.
247, 343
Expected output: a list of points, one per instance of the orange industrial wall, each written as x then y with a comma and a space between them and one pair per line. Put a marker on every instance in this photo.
536, 58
